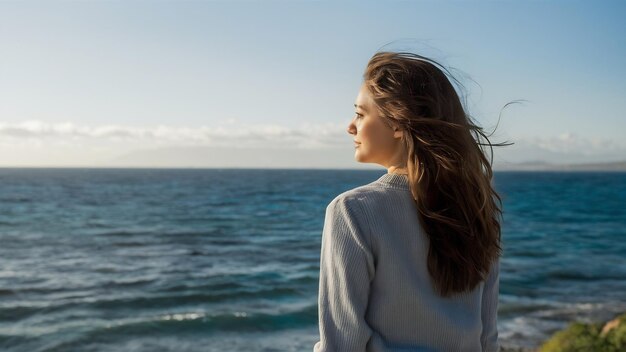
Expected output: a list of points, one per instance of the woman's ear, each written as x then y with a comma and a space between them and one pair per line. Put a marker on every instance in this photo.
397, 132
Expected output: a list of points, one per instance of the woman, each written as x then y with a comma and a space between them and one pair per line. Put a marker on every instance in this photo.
410, 262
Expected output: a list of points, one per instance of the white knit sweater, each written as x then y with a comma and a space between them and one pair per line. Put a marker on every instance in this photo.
375, 292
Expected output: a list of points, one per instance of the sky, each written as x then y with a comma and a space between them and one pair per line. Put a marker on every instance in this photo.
272, 83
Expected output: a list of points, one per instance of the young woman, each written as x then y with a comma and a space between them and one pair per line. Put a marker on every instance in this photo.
410, 262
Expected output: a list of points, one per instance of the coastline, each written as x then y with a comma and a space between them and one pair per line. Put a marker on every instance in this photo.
609, 335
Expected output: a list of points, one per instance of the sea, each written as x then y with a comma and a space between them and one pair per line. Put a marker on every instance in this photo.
228, 259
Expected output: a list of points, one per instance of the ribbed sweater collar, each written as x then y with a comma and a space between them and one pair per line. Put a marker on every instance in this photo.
395, 180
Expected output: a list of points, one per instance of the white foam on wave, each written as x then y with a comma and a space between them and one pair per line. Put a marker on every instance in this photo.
184, 316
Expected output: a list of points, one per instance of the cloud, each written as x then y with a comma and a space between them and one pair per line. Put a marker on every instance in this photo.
572, 143
234, 135
239, 144
564, 148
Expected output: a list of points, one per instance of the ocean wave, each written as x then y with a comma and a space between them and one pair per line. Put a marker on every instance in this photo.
179, 325
18, 312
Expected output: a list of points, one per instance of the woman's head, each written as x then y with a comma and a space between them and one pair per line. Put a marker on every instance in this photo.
411, 102
415, 120
375, 140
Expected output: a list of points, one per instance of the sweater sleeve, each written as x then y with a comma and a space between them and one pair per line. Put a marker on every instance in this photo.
489, 313
346, 270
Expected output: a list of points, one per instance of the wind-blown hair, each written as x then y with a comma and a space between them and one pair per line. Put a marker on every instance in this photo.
450, 177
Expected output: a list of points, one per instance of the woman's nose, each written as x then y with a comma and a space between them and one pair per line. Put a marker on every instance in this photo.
351, 128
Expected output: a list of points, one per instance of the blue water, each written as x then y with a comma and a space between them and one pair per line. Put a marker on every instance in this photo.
228, 260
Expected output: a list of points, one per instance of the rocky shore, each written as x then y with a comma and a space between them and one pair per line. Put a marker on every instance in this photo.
607, 336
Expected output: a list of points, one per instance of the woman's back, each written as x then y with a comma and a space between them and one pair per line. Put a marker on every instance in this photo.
375, 292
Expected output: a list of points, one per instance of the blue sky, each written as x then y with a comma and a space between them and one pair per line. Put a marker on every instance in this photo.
272, 83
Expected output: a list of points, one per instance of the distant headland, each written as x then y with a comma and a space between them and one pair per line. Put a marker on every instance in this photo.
546, 166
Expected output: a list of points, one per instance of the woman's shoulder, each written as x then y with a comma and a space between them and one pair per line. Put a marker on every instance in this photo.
357, 197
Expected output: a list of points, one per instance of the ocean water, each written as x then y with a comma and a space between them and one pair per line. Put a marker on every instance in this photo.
228, 260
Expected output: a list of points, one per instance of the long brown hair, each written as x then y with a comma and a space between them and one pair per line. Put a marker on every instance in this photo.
450, 177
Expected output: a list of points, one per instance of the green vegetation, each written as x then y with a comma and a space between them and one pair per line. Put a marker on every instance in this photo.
608, 337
